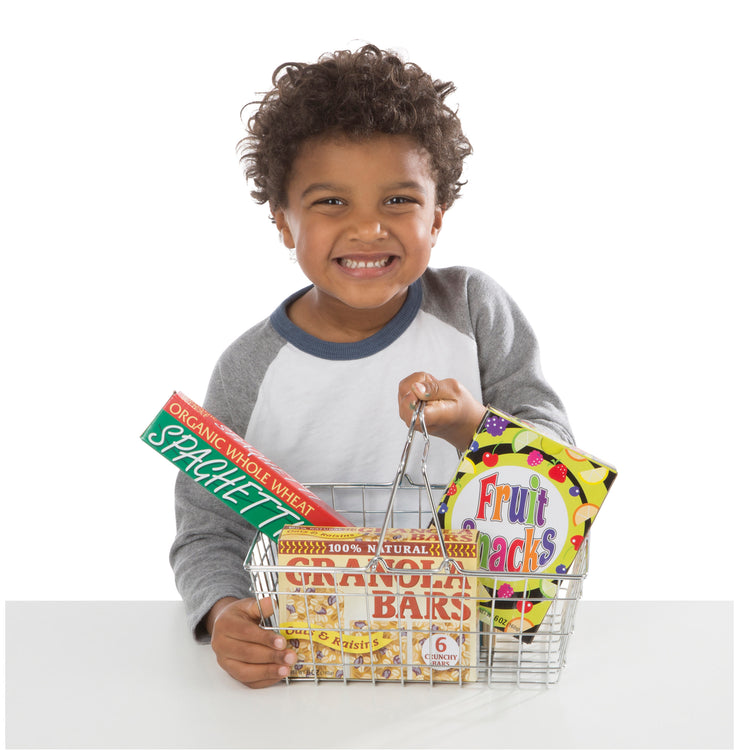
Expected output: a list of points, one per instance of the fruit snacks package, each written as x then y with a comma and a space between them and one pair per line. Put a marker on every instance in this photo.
346, 620
532, 500
233, 471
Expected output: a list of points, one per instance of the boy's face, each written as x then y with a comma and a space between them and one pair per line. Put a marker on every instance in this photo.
363, 219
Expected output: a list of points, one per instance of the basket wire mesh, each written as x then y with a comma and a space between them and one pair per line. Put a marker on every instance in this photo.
527, 658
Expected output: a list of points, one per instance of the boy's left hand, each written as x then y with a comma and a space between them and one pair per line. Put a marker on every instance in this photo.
450, 412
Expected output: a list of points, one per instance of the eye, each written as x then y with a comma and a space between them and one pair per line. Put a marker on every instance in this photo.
329, 202
399, 200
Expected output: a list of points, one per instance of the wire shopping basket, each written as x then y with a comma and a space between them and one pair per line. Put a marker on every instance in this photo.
397, 646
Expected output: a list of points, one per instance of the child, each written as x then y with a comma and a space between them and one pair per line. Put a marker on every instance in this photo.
359, 159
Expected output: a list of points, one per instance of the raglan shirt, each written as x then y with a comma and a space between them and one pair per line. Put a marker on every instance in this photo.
328, 412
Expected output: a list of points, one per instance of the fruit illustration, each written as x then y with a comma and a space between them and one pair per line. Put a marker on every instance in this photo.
524, 607
452, 489
467, 466
576, 541
505, 591
490, 459
474, 446
496, 425
534, 458
561, 569
551, 446
558, 472
584, 513
575, 455
523, 439
574, 491
594, 476
518, 624
548, 588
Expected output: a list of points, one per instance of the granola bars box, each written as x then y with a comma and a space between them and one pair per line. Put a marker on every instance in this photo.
347, 614
233, 471
532, 500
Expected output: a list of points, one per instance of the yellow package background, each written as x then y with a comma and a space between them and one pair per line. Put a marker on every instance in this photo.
348, 621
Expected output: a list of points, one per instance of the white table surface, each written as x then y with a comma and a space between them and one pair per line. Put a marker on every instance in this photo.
128, 674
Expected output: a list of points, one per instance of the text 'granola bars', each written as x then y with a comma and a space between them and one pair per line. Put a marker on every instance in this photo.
399, 621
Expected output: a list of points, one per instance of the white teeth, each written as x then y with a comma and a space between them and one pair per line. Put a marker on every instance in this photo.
349, 263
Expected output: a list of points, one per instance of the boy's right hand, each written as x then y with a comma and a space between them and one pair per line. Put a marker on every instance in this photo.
254, 656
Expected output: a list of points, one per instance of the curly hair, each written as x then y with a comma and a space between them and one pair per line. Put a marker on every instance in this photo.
357, 95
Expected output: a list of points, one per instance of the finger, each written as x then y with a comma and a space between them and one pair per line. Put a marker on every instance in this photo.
426, 387
407, 403
440, 404
252, 660
419, 386
270, 638
260, 650
427, 390
256, 675
258, 609
438, 396
255, 647
243, 622
416, 386
252, 654
238, 634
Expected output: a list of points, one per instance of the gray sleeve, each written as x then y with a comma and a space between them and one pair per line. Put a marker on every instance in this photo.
211, 540
507, 348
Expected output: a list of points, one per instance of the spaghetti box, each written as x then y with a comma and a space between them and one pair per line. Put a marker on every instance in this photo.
233, 471
401, 619
532, 500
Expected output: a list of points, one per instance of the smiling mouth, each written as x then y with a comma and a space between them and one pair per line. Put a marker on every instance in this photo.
355, 264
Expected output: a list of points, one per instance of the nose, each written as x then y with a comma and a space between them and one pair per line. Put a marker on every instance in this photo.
367, 227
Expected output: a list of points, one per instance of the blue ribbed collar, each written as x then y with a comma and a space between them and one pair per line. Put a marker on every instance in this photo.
354, 350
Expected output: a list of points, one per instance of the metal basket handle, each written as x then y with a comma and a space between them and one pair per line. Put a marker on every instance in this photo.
416, 420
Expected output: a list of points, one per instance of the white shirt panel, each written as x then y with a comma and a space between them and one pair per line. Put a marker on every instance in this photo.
295, 418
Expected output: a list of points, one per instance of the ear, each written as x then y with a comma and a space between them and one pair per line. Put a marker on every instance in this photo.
285, 233
437, 223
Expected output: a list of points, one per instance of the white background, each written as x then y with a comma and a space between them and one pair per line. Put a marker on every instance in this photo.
608, 193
